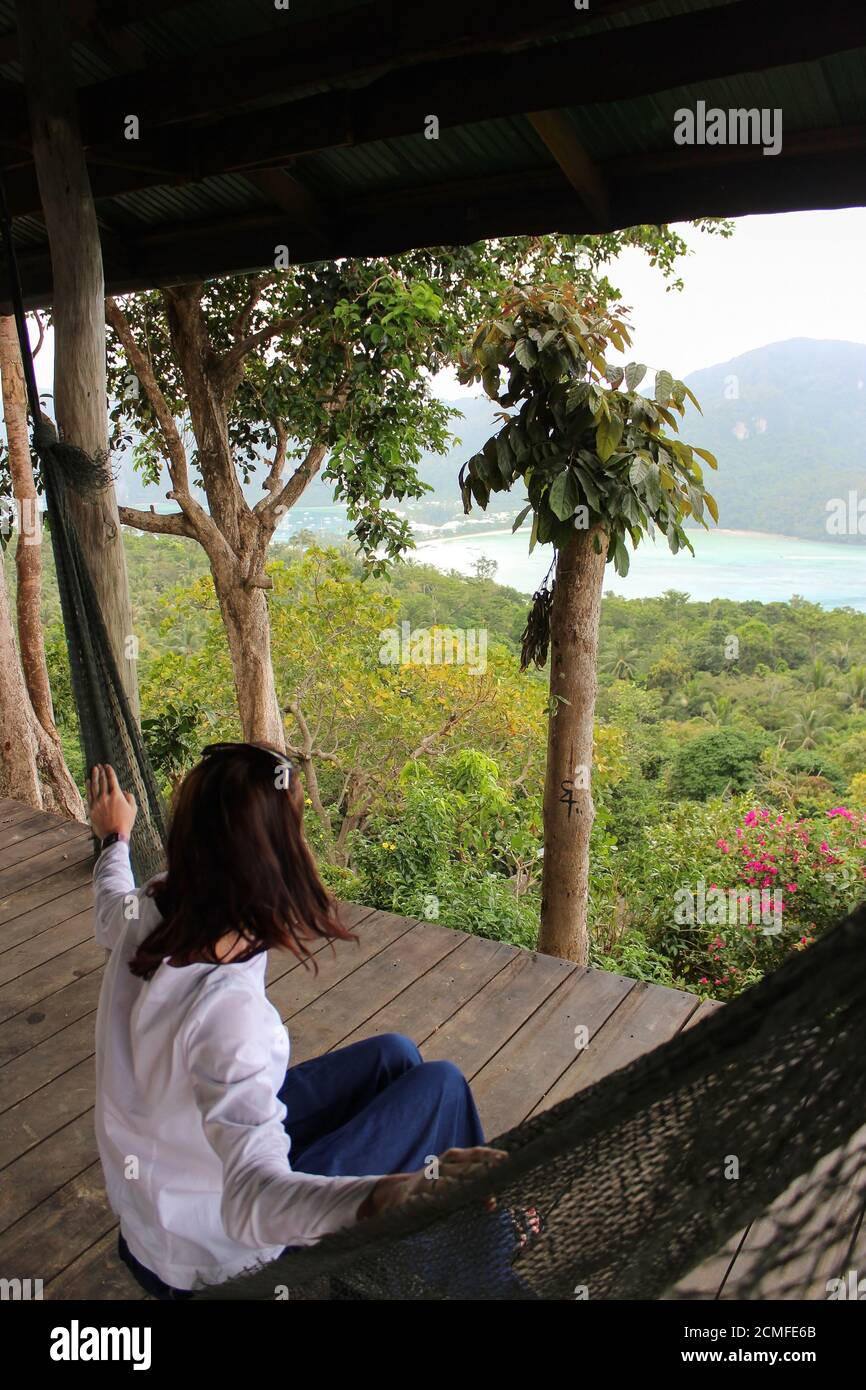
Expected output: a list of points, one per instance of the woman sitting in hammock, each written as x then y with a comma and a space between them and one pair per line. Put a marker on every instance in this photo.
196, 1112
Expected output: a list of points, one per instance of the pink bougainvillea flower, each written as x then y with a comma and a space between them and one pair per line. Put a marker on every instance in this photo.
842, 811
723, 846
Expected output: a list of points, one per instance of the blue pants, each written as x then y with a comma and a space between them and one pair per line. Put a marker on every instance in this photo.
373, 1107
376, 1107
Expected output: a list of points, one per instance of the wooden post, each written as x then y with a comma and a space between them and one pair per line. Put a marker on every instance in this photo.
78, 303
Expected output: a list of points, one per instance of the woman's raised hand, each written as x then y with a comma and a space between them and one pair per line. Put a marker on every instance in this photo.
112, 811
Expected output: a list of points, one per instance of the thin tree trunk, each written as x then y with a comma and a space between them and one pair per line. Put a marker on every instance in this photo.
78, 304
37, 741
568, 804
244, 612
18, 776
28, 550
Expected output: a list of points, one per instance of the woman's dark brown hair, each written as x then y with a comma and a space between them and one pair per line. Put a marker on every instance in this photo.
237, 862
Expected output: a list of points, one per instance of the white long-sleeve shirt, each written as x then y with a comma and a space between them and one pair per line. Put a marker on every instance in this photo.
189, 1127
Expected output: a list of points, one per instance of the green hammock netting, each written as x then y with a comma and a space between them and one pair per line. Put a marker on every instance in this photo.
743, 1129
109, 731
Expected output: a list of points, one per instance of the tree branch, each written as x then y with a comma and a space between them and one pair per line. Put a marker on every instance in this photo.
177, 464
200, 523
161, 523
275, 506
231, 362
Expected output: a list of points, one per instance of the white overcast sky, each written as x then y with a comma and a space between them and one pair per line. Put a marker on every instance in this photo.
793, 275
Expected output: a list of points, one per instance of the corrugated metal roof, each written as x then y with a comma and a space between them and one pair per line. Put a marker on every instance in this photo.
480, 156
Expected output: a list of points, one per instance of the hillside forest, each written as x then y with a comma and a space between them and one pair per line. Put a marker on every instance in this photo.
730, 748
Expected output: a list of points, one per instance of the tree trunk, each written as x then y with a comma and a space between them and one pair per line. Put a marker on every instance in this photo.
245, 616
77, 304
568, 804
28, 550
33, 766
18, 776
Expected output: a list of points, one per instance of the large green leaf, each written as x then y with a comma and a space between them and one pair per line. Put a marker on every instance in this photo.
525, 353
564, 495
607, 437
664, 387
634, 375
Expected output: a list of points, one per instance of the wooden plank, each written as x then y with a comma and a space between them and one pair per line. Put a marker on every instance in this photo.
37, 1116
29, 988
49, 1059
337, 1012
97, 1274
27, 847
39, 1173
351, 915
824, 1256
45, 864
22, 825
33, 1029
43, 917
648, 1016
45, 1241
430, 1001
300, 988
42, 949
538, 1059
495, 1013
12, 811
45, 890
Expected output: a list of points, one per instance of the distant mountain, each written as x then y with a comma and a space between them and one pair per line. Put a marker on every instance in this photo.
787, 423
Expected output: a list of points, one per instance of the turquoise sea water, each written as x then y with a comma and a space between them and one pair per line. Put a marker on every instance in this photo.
726, 564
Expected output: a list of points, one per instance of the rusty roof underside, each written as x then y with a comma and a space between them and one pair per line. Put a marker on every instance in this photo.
310, 126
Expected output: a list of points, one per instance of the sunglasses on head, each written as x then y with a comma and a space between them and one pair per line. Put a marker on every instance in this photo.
218, 750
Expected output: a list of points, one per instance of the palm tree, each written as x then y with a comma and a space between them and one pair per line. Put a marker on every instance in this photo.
854, 692
689, 694
820, 676
808, 727
720, 709
622, 661
840, 655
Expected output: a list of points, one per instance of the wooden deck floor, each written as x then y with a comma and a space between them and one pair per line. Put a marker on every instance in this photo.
505, 1016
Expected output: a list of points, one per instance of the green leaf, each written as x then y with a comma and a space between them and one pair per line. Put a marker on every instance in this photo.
525, 353
664, 387
638, 471
607, 437
521, 517
634, 375
620, 557
564, 495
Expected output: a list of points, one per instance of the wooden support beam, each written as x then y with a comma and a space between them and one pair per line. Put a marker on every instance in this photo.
707, 181
289, 194
556, 131
365, 41
78, 301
